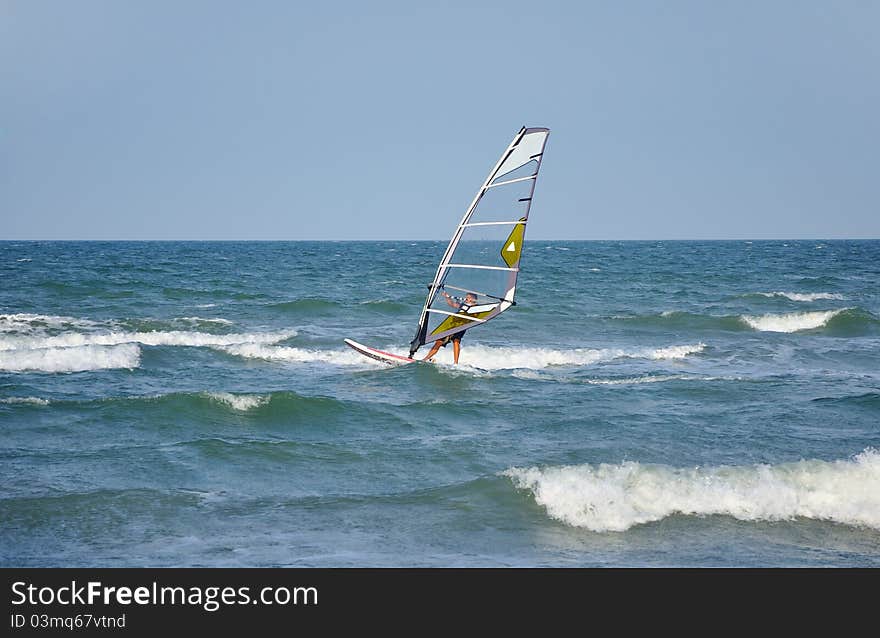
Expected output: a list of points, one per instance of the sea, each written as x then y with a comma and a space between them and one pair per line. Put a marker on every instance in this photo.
645, 404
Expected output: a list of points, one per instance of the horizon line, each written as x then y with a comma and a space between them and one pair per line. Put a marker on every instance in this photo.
536, 239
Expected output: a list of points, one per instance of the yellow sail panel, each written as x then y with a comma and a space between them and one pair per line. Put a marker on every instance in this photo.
456, 321
512, 248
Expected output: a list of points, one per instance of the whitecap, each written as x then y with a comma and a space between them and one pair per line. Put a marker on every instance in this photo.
504, 358
297, 355
71, 359
240, 402
158, 338
803, 296
27, 400
30, 323
614, 498
792, 322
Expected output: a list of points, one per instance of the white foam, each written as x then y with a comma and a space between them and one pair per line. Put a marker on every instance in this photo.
240, 402
28, 400
158, 338
483, 357
492, 358
660, 378
803, 296
532, 375
791, 322
298, 355
29, 323
671, 352
71, 359
607, 498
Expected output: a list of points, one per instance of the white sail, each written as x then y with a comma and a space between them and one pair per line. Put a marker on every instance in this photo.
483, 256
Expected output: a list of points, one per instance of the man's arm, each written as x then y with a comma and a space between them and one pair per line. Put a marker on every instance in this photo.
450, 301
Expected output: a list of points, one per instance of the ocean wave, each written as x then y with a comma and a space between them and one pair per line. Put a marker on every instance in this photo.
268, 406
868, 400
681, 320
214, 325
534, 375
71, 359
606, 498
240, 402
28, 323
296, 355
655, 378
792, 322
491, 358
670, 352
271, 406
801, 296
850, 321
487, 358
25, 400
158, 338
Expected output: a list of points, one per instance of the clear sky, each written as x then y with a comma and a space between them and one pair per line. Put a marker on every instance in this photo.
379, 120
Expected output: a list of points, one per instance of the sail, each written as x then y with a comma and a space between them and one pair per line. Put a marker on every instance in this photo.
483, 257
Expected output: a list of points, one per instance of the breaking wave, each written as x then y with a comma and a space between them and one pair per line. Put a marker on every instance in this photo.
28, 323
486, 357
71, 359
792, 322
296, 355
240, 402
159, 338
48, 343
490, 358
851, 321
25, 400
614, 498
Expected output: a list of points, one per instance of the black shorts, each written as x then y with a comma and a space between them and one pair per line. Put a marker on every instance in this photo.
456, 337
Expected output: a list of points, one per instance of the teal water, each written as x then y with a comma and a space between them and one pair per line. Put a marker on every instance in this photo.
644, 404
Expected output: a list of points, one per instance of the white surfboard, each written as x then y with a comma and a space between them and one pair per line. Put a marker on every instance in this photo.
379, 355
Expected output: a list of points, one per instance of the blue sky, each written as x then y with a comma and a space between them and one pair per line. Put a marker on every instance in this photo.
379, 120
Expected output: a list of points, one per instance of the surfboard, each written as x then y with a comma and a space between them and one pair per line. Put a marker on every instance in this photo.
379, 355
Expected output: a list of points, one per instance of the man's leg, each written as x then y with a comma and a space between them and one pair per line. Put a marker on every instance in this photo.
456, 349
434, 350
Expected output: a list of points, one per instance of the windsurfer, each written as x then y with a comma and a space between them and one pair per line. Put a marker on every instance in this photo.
462, 305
